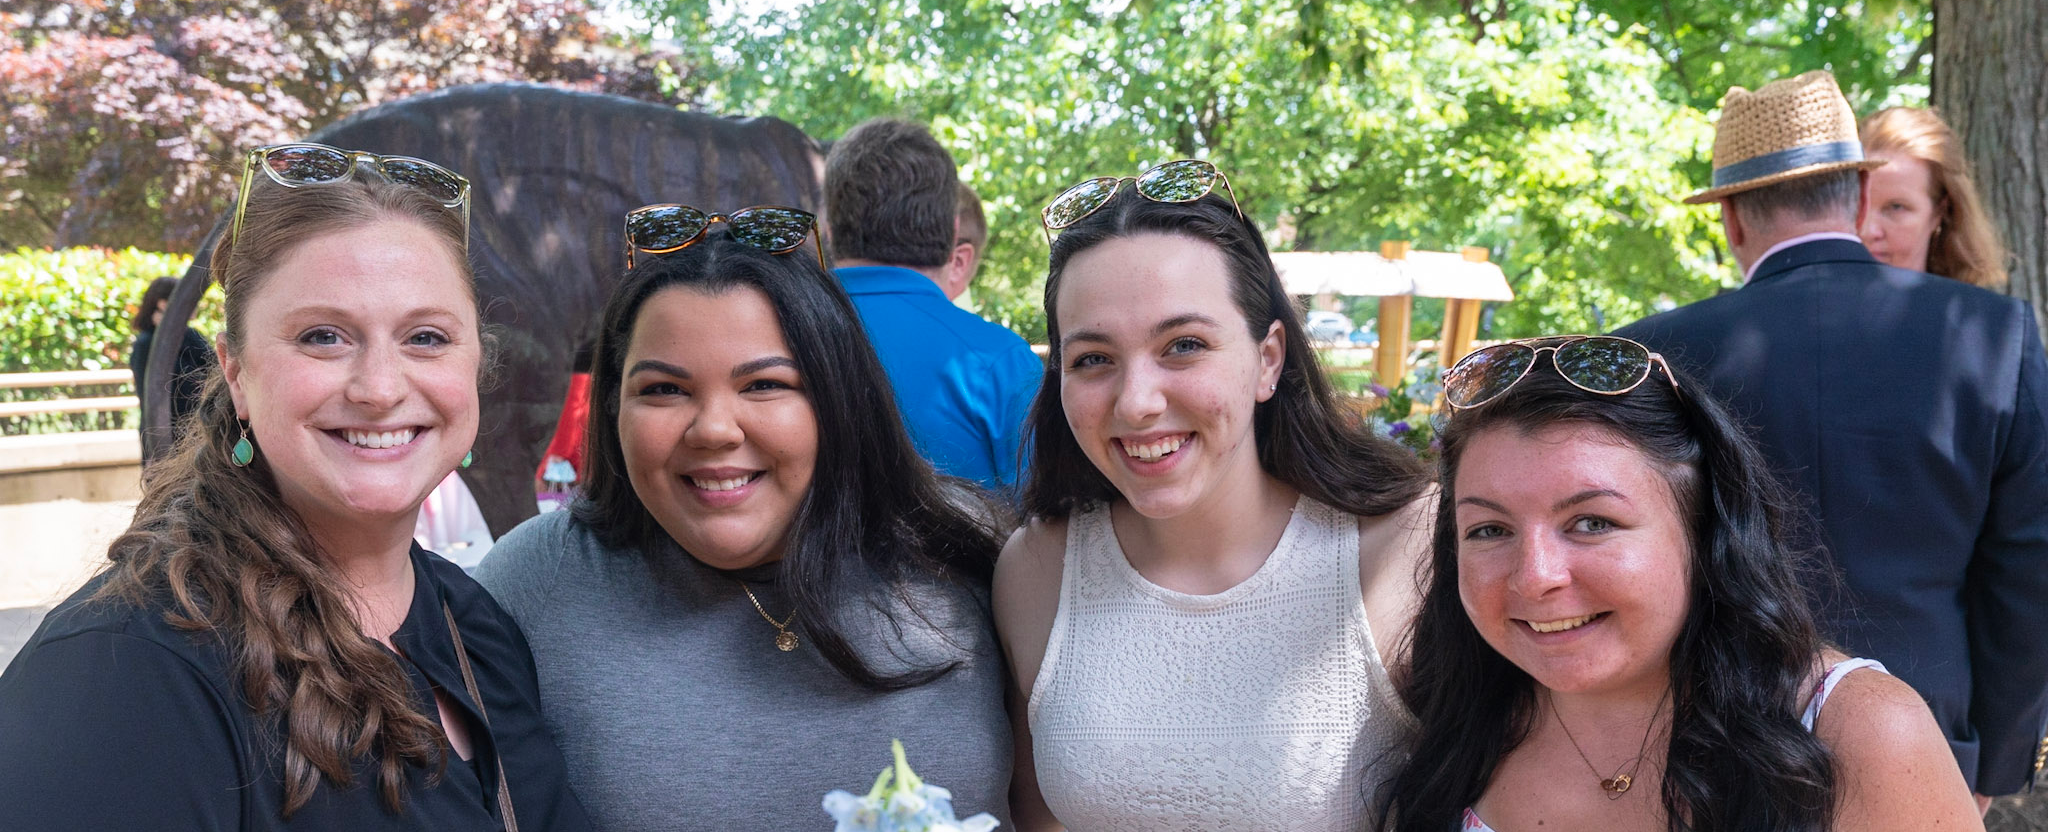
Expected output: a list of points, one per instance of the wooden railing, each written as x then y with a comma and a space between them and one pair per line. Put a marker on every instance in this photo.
67, 378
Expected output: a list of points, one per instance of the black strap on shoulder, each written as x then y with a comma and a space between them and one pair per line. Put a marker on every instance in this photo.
469, 681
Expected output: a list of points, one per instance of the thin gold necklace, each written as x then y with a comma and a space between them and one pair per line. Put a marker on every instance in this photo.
784, 639
1620, 783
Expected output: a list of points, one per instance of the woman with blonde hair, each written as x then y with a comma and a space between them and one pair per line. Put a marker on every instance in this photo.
1924, 211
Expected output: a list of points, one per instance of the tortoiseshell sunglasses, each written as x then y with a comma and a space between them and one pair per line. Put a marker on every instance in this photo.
1603, 364
660, 229
1185, 180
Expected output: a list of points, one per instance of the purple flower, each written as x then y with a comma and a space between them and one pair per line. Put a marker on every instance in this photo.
1398, 428
1379, 391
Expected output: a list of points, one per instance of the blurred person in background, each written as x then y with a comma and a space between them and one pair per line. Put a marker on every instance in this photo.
1924, 212
963, 384
561, 466
195, 355
970, 242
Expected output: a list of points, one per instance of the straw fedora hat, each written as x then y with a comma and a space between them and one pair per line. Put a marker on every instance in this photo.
1791, 128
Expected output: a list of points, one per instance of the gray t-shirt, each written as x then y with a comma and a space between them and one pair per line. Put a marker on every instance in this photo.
675, 710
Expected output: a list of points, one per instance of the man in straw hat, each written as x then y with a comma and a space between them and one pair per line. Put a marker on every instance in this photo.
1907, 410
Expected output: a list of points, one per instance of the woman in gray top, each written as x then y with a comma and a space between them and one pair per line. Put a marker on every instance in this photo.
762, 583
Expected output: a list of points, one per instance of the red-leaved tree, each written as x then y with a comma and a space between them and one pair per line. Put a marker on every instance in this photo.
124, 122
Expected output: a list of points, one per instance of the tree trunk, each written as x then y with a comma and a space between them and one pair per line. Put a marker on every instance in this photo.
1990, 84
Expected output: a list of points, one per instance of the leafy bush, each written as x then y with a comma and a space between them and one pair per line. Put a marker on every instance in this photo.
69, 309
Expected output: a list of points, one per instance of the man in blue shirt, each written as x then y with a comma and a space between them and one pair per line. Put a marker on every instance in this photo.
964, 385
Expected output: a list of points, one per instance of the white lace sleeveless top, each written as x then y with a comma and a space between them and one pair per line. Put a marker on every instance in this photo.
1261, 707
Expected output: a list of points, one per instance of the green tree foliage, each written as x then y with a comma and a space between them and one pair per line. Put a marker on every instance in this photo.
1558, 134
69, 309
1880, 50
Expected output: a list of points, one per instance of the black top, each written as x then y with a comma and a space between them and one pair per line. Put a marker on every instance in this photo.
1907, 409
188, 375
110, 718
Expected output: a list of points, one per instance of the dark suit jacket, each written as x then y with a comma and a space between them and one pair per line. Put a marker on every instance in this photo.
1908, 411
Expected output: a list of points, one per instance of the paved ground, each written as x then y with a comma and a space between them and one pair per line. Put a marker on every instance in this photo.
2019, 813
50, 548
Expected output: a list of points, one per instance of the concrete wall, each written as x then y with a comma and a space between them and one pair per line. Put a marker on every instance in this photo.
90, 466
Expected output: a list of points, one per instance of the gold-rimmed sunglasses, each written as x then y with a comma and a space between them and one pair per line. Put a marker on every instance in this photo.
303, 164
1603, 364
1184, 180
660, 229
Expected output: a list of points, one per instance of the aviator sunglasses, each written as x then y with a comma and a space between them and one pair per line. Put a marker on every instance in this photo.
1602, 364
660, 229
303, 164
1185, 180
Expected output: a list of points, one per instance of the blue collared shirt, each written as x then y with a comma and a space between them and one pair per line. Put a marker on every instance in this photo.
964, 385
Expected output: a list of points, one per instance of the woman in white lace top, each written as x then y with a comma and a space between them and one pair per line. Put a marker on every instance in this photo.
1220, 562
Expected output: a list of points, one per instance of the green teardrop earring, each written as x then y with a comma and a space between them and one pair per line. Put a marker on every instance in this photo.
244, 451
468, 458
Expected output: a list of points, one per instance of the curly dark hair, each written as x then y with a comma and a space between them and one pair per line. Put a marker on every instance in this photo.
1738, 758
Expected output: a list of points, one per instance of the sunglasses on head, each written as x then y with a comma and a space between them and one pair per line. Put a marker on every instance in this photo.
305, 164
660, 229
1602, 364
1185, 180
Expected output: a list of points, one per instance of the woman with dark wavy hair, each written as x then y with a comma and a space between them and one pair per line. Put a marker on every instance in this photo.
1201, 612
1614, 636
761, 581
269, 648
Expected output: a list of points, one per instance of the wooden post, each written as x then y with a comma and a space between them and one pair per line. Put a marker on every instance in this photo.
1461, 319
1390, 361
1461, 325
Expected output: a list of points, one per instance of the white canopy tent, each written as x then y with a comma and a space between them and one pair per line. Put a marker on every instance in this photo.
1422, 274
1397, 275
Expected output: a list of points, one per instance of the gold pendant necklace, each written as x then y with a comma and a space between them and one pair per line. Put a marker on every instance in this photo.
1620, 783
784, 639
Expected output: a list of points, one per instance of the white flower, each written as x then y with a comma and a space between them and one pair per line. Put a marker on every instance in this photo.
904, 806
907, 805
854, 814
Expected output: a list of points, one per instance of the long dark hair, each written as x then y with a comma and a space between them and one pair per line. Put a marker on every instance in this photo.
1738, 758
876, 520
1305, 437
218, 542
159, 291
